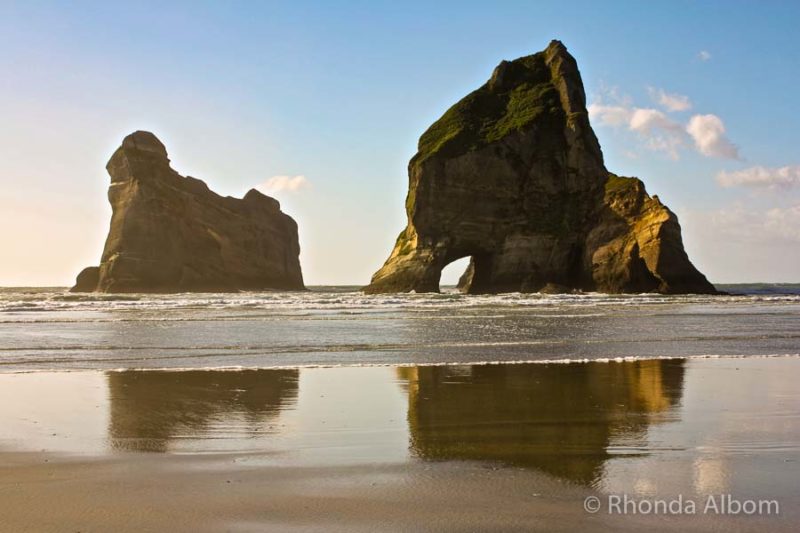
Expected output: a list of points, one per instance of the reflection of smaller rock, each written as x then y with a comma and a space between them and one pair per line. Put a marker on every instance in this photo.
150, 409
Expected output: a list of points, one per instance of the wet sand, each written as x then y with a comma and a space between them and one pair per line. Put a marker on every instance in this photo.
216, 493
483, 447
220, 493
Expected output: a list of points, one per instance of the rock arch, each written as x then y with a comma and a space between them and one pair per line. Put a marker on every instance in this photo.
513, 176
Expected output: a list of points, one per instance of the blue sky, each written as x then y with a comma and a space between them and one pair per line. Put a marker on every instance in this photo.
339, 92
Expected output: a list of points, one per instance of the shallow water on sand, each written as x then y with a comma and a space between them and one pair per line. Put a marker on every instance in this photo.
655, 427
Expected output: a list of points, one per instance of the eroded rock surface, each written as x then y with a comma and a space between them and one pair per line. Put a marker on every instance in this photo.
513, 177
171, 233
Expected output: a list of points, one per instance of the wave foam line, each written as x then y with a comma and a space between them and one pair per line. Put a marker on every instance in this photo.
561, 361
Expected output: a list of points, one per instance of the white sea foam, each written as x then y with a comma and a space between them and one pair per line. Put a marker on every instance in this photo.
21, 302
559, 361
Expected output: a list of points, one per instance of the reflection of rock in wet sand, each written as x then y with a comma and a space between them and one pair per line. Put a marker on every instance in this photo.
556, 418
150, 409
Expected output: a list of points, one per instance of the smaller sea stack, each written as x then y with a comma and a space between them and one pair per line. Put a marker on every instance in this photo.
171, 233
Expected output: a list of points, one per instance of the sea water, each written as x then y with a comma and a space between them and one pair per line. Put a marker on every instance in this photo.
45, 329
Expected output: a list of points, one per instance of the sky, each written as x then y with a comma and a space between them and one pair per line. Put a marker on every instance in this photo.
320, 104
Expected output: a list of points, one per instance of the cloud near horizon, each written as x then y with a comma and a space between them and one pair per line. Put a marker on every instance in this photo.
284, 184
704, 55
762, 177
744, 241
743, 224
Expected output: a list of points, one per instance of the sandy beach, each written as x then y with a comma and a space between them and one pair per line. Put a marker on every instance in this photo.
481, 447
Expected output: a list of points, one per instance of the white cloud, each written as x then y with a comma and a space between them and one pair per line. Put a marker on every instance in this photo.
784, 223
775, 225
708, 133
646, 120
610, 115
704, 55
658, 132
764, 177
670, 101
284, 184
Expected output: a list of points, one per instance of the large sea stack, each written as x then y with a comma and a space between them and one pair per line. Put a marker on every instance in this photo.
171, 233
513, 177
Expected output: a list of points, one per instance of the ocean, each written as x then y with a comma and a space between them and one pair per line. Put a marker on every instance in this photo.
49, 329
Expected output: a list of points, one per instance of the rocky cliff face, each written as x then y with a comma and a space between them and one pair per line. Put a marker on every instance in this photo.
170, 233
513, 177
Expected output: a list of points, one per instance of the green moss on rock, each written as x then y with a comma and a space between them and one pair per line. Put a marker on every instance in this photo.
402, 243
520, 93
619, 184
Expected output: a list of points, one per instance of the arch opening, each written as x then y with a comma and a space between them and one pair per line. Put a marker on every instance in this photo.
451, 274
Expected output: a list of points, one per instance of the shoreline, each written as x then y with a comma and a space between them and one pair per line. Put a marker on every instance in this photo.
424, 364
